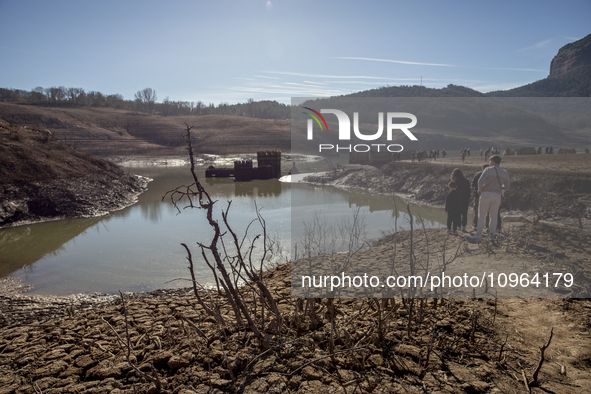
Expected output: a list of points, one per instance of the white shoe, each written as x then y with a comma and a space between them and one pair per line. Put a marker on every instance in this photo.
474, 239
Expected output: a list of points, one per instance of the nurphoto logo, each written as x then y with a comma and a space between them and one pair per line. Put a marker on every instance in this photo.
345, 130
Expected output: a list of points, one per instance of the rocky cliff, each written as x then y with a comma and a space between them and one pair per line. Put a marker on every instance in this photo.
571, 56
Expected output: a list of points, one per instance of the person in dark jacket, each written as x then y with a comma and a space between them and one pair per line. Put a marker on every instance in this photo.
453, 208
463, 187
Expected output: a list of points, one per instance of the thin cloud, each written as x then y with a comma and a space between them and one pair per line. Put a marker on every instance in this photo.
416, 80
291, 88
513, 69
316, 83
395, 61
265, 76
324, 75
540, 44
537, 45
305, 84
289, 91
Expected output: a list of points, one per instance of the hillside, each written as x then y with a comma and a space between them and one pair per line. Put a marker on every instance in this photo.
575, 83
43, 179
108, 131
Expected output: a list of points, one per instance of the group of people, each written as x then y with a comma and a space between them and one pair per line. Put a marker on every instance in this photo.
464, 152
426, 154
487, 187
490, 152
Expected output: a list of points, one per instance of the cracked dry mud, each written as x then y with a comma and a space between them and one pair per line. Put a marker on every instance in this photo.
452, 346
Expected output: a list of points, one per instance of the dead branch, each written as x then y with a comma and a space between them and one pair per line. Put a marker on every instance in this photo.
542, 350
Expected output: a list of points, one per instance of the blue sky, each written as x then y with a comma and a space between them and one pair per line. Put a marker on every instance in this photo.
230, 51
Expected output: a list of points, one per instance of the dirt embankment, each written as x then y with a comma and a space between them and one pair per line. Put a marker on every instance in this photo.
550, 186
43, 179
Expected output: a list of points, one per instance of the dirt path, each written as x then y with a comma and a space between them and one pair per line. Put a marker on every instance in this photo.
527, 324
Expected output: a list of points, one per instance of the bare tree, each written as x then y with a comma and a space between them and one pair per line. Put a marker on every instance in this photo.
147, 98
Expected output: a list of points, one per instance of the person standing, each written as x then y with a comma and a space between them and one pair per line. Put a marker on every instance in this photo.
463, 187
476, 195
453, 207
491, 186
477, 200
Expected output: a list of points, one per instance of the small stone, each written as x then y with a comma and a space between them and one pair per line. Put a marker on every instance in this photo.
177, 362
84, 361
376, 360
309, 373
51, 369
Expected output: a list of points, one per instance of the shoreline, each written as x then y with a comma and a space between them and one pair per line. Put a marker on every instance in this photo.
86, 208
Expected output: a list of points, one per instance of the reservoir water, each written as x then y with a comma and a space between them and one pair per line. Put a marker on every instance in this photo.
138, 248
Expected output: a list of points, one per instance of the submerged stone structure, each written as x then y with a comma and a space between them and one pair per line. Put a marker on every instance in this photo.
269, 167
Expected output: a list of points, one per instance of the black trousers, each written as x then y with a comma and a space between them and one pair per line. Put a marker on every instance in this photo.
464, 213
453, 220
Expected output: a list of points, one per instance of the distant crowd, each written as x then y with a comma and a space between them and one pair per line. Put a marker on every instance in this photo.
434, 154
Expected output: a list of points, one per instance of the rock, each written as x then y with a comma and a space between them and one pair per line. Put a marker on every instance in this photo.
9, 383
571, 56
312, 387
58, 353
71, 370
258, 386
162, 357
514, 218
376, 360
409, 350
221, 383
51, 369
104, 370
476, 387
264, 365
294, 382
309, 373
176, 362
84, 361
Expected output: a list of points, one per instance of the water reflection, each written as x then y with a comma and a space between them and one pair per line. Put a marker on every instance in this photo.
22, 246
